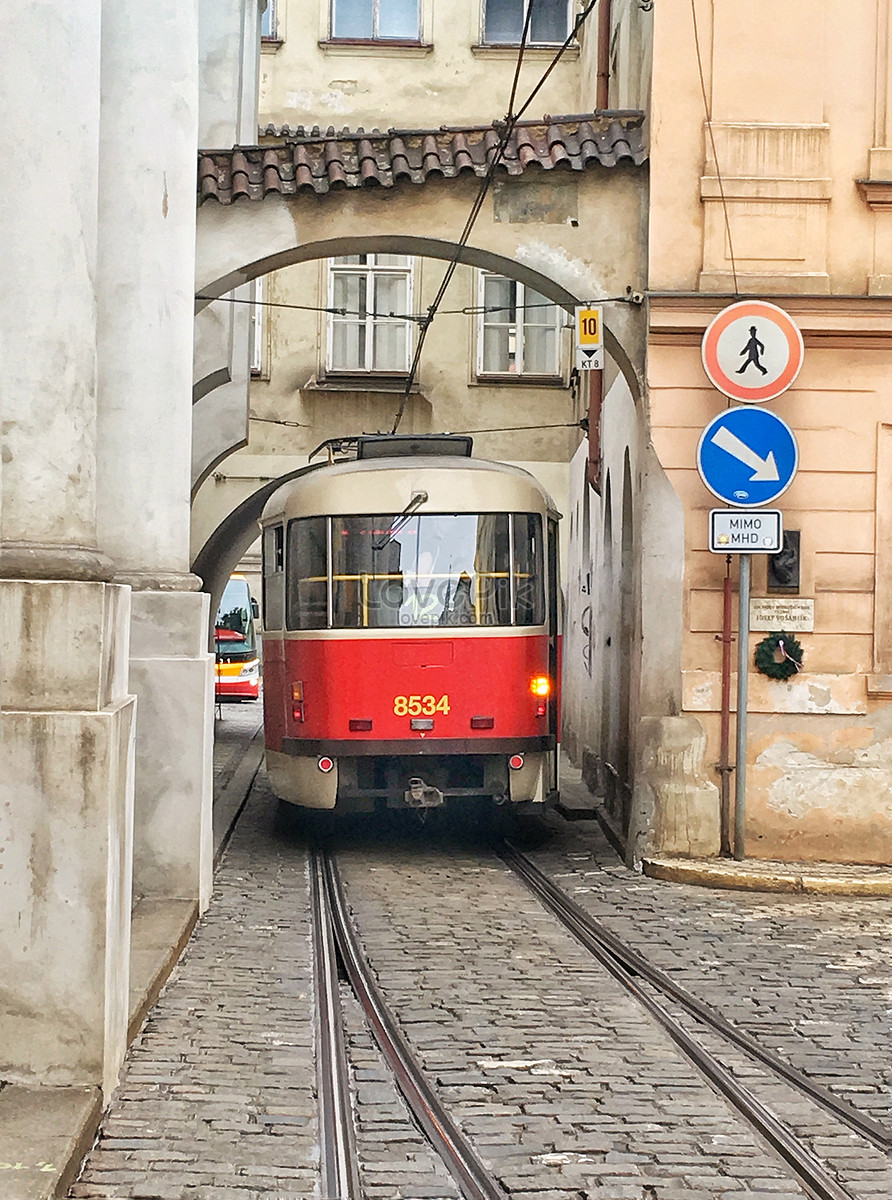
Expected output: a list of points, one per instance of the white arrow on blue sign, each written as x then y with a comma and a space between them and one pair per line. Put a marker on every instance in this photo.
747, 457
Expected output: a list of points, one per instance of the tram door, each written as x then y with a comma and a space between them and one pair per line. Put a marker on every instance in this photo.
554, 657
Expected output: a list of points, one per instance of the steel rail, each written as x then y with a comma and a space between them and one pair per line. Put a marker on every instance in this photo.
807, 1169
880, 1135
472, 1177
339, 1161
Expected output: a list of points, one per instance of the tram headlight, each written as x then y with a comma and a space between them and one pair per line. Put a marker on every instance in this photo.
250, 669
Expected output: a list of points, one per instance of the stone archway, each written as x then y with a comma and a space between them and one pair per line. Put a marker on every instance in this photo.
219, 415
569, 228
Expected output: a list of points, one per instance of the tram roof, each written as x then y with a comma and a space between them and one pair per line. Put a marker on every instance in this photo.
384, 485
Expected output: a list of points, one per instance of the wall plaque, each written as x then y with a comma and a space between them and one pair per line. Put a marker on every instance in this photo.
789, 613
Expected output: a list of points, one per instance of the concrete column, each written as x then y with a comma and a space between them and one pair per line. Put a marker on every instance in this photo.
146, 270
66, 730
47, 303
66, 813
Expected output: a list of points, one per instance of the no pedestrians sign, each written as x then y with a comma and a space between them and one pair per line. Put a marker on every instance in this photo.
752, 351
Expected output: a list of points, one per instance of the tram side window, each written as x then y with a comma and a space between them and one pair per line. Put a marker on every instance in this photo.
273, 577
367, 573
307, 601
529, 592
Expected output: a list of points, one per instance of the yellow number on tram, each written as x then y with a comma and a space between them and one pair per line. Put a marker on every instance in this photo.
415, 706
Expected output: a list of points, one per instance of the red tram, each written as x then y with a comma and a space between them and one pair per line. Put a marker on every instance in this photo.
411, 648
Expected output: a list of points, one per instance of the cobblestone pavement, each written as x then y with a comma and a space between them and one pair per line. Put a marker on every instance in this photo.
217, 1098
396, 1159
565, 1087
234, 726
809, 976
563, 1084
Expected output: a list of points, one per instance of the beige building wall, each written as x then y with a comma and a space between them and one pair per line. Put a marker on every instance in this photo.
449, 77
583, 231
781, 195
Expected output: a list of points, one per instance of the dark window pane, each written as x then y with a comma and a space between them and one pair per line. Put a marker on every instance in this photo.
529, 589
398, 19
549, 21
503, 21
273, 577
307, 574
352, 19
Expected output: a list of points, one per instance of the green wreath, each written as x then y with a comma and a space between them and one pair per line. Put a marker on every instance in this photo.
779, 656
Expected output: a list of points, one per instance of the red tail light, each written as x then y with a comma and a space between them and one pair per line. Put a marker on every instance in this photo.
297, 700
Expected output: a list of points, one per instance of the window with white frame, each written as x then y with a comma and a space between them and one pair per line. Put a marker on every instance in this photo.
257, 327
503, 22
376, 20
370, 329
518, 331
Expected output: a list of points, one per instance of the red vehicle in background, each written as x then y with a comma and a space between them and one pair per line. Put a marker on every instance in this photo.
235, 643
411, 648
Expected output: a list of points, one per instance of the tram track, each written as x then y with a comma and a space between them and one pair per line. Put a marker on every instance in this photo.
650, 987
627, 966
340, 1168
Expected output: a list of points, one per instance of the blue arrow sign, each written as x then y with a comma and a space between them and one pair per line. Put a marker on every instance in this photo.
747, 457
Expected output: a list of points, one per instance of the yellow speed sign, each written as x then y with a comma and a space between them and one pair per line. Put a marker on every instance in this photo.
589, 338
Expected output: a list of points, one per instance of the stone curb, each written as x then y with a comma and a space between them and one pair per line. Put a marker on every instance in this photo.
44, 1135
870, 881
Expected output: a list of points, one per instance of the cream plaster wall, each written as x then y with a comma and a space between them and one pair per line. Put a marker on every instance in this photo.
450, 78
598, 254
792, 93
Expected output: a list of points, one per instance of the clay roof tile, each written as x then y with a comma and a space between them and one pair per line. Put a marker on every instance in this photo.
302, 160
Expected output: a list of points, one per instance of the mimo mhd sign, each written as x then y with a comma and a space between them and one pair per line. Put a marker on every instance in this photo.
732, 531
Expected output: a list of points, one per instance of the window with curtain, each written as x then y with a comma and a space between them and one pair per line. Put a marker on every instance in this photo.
372, 330
519, 330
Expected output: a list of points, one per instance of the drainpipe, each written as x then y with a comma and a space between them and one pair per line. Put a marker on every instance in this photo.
595, 398
596, 378
602, 83
723, 766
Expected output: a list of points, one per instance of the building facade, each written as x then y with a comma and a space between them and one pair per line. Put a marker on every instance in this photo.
768, 165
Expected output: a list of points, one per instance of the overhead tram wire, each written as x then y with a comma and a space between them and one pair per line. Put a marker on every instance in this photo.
468, 310
718, 171
482, 191
511, 120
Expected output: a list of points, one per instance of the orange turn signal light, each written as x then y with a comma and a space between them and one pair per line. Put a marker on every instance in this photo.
540, 685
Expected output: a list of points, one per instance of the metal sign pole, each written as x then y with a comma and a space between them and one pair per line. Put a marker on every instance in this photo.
743, 645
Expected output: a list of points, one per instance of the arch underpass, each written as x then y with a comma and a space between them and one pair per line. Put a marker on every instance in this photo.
574, 235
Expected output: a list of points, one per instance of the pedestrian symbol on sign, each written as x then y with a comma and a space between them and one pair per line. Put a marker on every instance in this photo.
754, 349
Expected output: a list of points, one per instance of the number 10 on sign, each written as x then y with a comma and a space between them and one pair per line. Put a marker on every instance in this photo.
589, 338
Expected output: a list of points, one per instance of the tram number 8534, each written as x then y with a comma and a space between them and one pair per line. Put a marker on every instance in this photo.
418, 706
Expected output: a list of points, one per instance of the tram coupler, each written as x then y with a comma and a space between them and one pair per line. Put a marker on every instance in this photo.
422, 795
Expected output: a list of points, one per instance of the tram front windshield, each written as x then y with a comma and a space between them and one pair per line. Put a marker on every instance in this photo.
234, 626
394, 571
